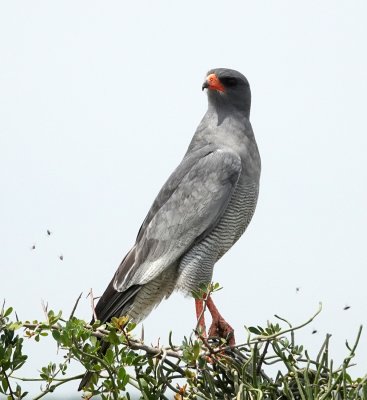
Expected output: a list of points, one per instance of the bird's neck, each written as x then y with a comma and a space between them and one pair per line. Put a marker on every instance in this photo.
222, 112
223, 109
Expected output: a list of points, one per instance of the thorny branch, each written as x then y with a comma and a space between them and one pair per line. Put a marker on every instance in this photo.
210, 368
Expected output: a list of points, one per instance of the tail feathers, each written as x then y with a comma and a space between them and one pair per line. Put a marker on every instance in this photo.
86, 380
114, 303
84, 383
111, 304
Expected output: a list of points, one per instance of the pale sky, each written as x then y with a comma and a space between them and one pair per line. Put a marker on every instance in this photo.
98, 103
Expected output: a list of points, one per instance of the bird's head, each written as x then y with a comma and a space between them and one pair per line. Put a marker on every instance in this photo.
228, 88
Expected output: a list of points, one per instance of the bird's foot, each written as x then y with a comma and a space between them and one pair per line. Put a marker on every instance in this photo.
221, 328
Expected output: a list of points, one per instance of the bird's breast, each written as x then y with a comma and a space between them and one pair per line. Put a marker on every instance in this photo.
236, 218
196, 267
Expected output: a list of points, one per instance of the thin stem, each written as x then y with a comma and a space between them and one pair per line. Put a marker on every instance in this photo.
115, 396
61, 382
18, 378
75, 306
281, 333
101, 333
262, 357
345, 366
8, 382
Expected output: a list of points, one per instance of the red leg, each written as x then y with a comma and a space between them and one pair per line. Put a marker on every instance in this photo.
219, 327
199, 306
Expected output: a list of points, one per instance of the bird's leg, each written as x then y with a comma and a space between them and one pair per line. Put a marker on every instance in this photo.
219, 327
199, 306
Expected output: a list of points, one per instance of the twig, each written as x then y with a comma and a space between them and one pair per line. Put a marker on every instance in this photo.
101, 361
345, 365
262, 357
8, 382
60, 382
275, 335
18, 378
126, 336
154, 350
92, 304
75, 306
163, 377
201, 314
44, 308
101, 333
205, 342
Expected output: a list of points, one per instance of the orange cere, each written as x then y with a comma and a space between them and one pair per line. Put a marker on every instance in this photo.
214, 83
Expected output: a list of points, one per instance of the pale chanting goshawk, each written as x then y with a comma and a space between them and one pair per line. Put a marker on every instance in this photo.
200, 212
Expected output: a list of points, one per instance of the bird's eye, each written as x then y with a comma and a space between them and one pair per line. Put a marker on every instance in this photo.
229, 81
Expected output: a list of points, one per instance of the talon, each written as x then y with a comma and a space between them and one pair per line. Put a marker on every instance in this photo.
220, 327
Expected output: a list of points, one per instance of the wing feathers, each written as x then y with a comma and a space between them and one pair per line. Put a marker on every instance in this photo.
188, 206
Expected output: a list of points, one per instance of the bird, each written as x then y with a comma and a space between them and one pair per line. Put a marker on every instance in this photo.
201, 211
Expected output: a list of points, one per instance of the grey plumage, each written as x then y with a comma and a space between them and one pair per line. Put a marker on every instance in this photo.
200, 212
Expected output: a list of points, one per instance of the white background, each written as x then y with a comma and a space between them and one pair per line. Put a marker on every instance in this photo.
98, 102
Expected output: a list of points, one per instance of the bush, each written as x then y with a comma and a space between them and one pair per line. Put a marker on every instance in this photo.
198, 368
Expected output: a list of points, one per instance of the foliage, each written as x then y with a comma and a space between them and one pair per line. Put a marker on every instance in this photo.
199, 368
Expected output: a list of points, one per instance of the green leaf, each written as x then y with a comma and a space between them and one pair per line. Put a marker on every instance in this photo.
113, 338
130, 326
4, 384
8, 311
254, 330
14, 326
52, 388
196, 350
109, 356
121, 373
56, 335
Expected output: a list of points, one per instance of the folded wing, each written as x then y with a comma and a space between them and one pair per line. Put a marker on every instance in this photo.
187, 208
